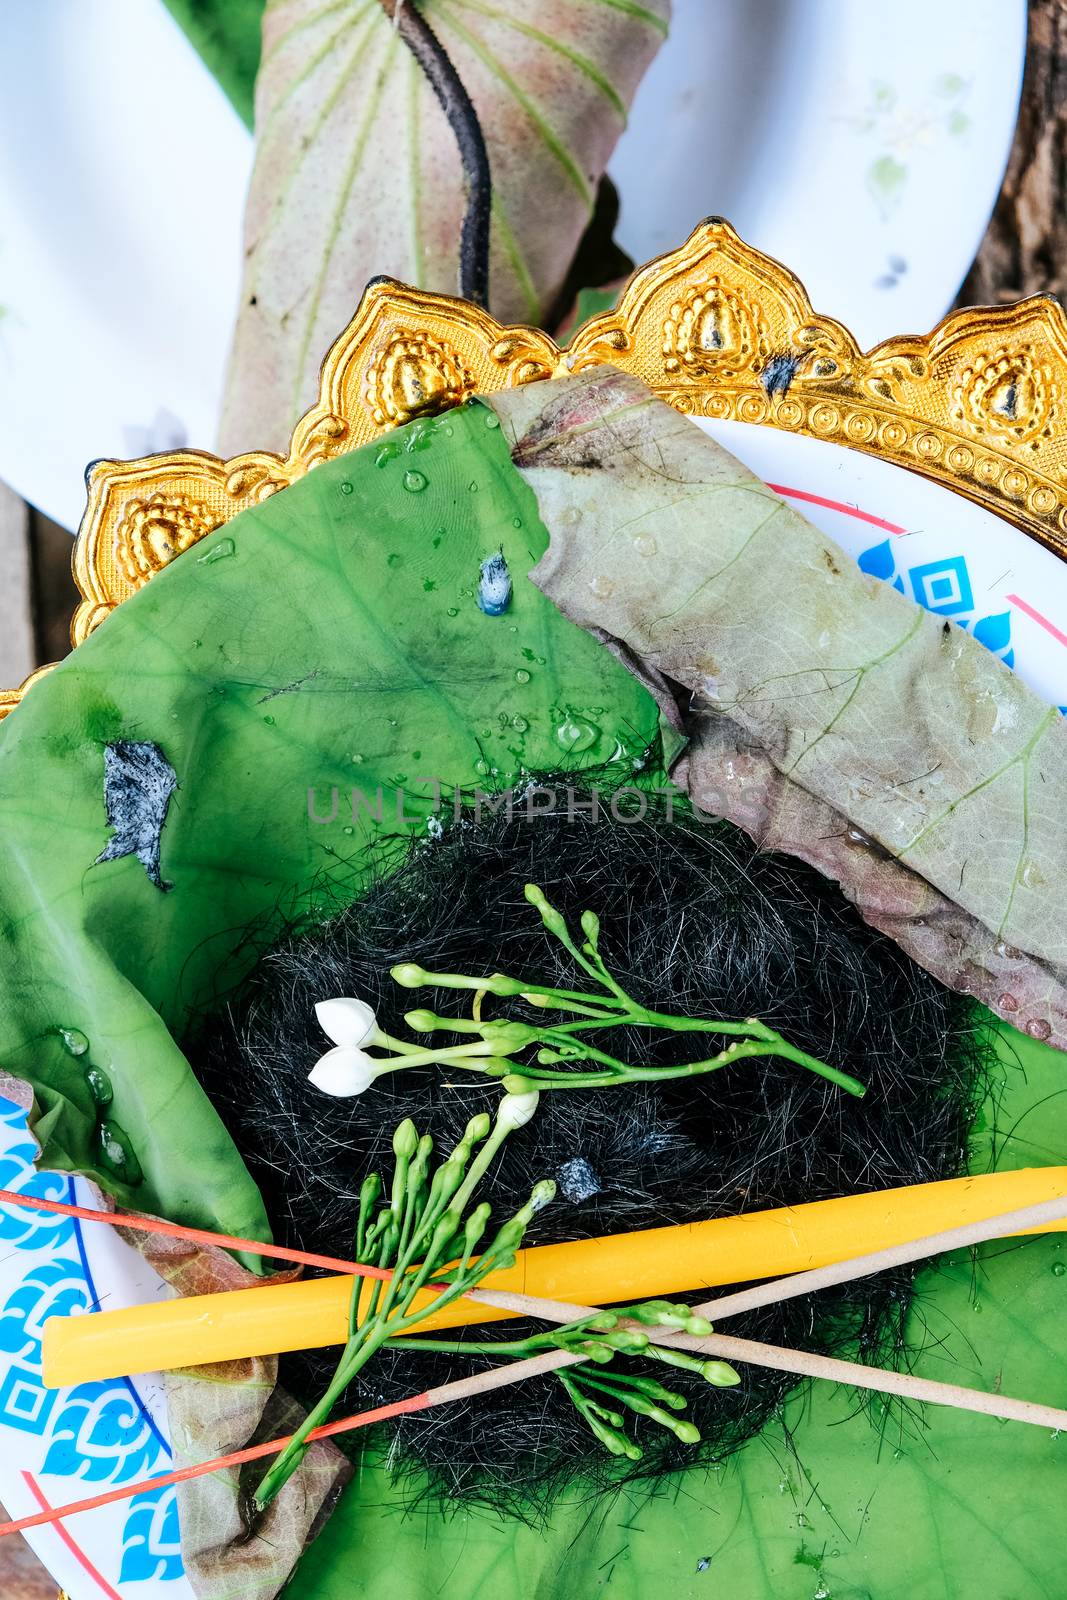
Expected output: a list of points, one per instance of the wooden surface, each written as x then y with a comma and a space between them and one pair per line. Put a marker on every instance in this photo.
18, 649
1024, 252
1025, 248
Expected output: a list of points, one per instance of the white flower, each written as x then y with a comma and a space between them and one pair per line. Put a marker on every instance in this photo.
347, 1021
515, 1110
344, 1071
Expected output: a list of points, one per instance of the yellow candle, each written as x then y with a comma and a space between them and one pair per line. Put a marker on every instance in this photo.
267, 1320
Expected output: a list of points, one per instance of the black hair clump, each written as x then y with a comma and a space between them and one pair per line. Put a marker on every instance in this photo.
694, 920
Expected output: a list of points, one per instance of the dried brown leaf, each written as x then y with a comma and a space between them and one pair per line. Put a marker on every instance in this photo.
357, 171
829, 715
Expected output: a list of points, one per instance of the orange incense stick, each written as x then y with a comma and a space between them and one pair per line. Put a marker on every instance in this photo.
175, 1230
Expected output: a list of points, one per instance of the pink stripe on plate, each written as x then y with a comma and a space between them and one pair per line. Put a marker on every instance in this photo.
836, 505
75, 1549
1035, 616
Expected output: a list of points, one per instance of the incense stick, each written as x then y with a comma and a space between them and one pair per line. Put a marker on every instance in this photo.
803, 1363
176, 1230
1023, 1220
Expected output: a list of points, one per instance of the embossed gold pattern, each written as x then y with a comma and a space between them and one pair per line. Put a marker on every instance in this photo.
715, 328
154, 531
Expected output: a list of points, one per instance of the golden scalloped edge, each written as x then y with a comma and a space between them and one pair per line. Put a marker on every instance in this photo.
715, 328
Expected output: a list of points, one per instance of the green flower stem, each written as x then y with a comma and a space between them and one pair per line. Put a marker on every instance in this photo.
610, 1436
609, 1019
450, 1057
385, 1041
518, 1348
498, 983
293, 1454
480, 1165
620, 1072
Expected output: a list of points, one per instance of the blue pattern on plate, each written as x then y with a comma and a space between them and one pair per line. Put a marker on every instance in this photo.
98, 1433
52, 1289
151, 1546
942, 586
30, 1230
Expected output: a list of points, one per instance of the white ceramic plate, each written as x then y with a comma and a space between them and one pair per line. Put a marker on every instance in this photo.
863, 146
937, 547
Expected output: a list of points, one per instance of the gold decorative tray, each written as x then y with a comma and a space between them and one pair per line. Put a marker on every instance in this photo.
715, 328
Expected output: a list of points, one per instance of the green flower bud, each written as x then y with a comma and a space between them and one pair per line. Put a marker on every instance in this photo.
421, 1021
591, 926
542, 1194
475, 1226
596, 1350
603, 1322
508, 1238
405, 1140
500, 984
477, 1128
551, 918
698, 1326
720, 1373
615, 1418
408, 975
498, 1043
687, 1432
514, 1034
629, 1340
660, 1314
515, 1083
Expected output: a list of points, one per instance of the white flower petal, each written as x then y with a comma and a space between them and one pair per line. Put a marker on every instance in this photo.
344, 1071
346, 1020
515, 1110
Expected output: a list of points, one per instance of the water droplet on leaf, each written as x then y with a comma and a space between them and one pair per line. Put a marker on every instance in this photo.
522, 676
116, 1153
1038, 1028
575, 734
415, 482
218, 552
99, 1085
74, 1041
601, 587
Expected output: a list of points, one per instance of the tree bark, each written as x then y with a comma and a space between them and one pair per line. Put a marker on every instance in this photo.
1025, 248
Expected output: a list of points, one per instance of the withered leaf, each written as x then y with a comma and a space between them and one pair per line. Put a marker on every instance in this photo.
357, 172
829, 715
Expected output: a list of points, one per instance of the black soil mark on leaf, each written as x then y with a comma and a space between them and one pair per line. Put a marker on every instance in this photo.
138, 784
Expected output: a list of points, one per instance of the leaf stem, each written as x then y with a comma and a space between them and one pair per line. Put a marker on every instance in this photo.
457, 106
